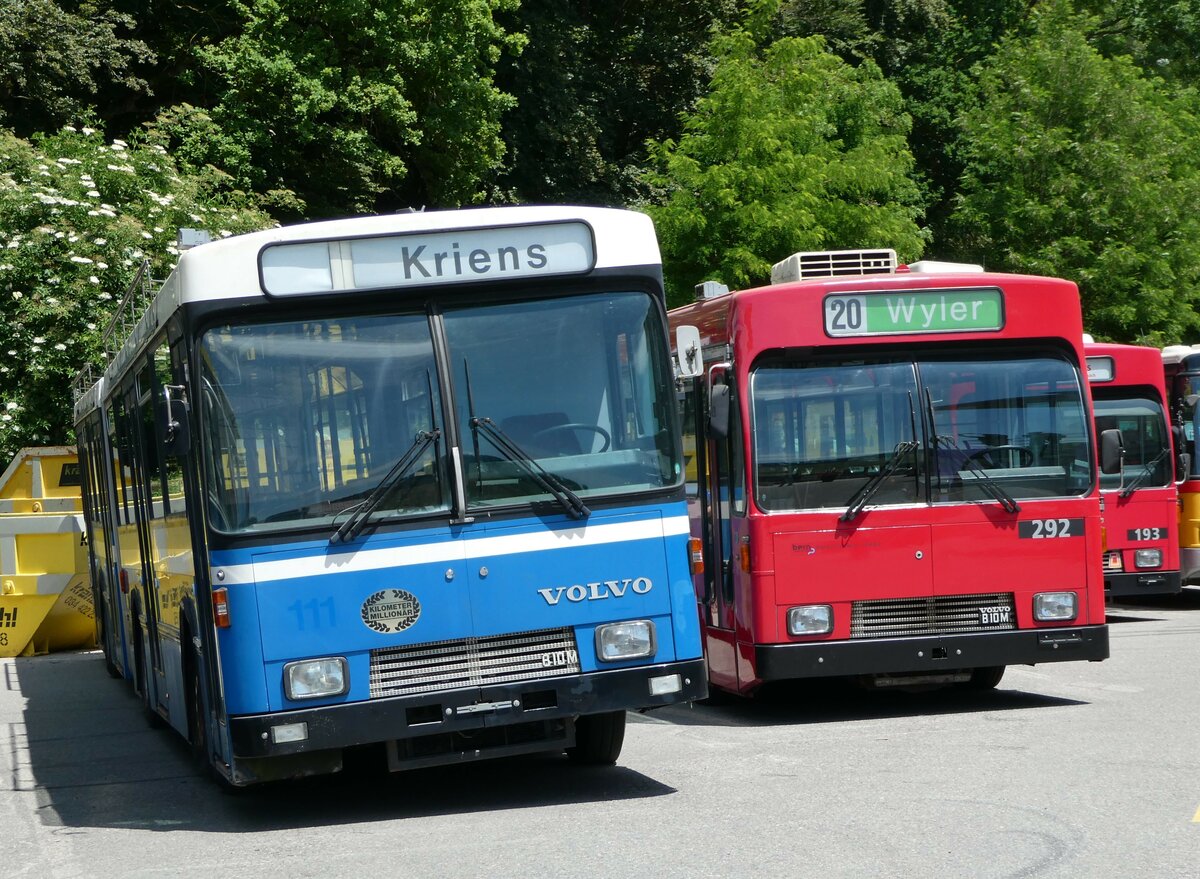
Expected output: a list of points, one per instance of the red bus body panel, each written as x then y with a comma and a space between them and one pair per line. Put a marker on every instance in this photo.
919, 551
1149, 517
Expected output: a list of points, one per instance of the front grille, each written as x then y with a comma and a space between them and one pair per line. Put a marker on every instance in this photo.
473, 662
939, 615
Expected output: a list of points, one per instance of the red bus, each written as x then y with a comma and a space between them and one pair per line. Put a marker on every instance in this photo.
1140, 502
892, 475
1181, 365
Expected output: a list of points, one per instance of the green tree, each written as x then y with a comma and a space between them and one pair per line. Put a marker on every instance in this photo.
1080, 166
354, 105
597, 80
78, 216
56, 57
792, 149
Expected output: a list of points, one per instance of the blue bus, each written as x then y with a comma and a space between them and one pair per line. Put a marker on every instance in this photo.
412, 483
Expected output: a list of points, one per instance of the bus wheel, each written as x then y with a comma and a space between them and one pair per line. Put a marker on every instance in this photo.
985, 678
598, 738
143, 679
197, 726
106, 649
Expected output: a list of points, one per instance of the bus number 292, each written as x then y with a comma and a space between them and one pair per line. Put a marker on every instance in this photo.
1041, 529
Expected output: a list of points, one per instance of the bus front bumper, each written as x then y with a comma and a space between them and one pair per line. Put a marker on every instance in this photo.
1144, 583
463, 711
931, 654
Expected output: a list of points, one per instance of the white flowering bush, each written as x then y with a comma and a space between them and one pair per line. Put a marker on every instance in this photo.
78, 216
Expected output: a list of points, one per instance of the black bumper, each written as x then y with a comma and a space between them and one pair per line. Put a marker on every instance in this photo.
451, 711
934, 653
1142, 583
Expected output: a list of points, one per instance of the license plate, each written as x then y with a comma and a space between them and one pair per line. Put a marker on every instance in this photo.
995, 616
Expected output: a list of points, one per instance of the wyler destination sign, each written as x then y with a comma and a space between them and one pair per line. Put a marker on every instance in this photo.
924, 311
429, 258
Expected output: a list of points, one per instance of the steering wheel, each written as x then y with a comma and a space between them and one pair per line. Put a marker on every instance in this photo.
573, 426
1024, 456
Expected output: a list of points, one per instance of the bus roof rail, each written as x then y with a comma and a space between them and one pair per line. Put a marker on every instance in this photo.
833, 264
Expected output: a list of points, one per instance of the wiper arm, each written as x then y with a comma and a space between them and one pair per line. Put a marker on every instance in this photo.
1136, 482
546, 480
358, 519
987, 483
856, 503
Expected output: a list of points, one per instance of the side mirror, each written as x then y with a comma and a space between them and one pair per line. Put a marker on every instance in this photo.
689, 362
175, 421
1112, 451
1183, 459
718, 411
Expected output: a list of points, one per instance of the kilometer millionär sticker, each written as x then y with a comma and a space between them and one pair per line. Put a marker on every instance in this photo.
391, 610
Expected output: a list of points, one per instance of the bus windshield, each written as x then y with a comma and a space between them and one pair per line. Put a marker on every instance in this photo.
304, 418
577, 385
937, 430
1143, 431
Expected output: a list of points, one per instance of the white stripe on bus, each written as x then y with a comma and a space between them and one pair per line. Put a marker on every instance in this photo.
453, 550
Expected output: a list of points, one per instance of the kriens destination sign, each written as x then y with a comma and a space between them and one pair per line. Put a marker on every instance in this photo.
428, 258
924, 311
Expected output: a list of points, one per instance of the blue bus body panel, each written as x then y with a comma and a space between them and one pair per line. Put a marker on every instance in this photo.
452, 582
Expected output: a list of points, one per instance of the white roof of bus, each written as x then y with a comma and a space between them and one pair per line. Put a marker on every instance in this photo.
228, 268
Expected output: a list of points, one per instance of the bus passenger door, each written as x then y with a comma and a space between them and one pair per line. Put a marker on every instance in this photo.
724, 503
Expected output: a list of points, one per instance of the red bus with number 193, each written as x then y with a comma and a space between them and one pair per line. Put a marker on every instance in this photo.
1141, 503
893, 475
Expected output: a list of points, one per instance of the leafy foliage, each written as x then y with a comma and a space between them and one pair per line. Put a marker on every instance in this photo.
353, 105
56, 57
1080, 166
595, 81
791, 149
78, 216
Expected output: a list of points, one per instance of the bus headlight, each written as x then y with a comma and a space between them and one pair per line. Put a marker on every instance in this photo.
1055, 606
316, 678
1148, 558
810, 619
616, 642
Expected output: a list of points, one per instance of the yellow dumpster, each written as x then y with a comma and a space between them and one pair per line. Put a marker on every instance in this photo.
45, 589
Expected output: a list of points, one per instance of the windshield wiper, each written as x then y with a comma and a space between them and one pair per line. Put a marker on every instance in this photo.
546, 480
985, 482
856, 503
358, 519
1136, 482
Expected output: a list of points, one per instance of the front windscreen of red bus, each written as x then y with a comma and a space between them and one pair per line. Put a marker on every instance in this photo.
825, 428
1143, 432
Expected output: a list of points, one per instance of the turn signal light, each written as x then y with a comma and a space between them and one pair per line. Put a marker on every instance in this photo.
695, 555
220, 599
744, 554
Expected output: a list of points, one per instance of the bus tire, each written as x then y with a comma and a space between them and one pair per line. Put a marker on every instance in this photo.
598, 738
106, 647
985, 678
197, 726
142, 661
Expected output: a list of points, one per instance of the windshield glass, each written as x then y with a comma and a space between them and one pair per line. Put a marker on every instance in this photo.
304, 418
579, 384
823, 428
1143, 431
822, 431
